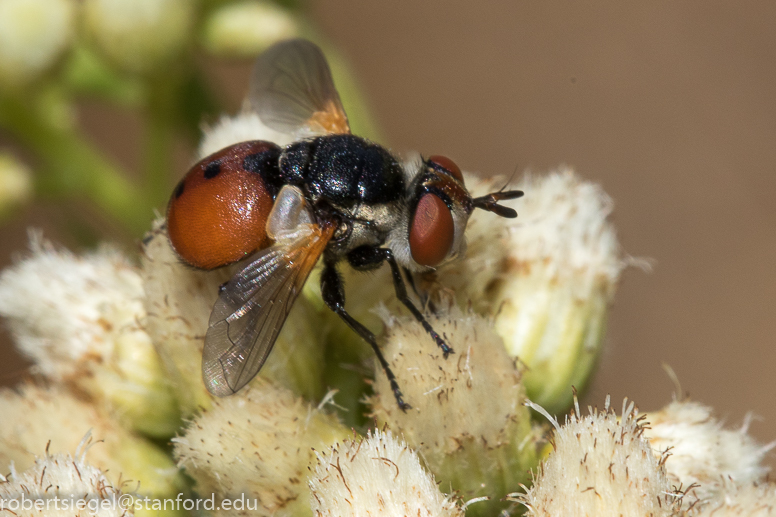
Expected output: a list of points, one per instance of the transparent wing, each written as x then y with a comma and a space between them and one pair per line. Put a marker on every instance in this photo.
252, 307
292, 89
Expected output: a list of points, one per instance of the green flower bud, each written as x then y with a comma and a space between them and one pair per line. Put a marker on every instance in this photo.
79, 320
140, 35
247, 28
467, 420
33, 35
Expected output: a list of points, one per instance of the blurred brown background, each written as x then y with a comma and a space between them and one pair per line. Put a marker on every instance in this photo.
671, 106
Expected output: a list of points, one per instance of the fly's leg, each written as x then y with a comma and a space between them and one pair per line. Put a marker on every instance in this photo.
334, 298
369, 258
411, 281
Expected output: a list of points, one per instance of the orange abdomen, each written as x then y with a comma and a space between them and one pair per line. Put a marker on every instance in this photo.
218, 212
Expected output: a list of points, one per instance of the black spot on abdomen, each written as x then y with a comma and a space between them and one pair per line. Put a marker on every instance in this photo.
212, 169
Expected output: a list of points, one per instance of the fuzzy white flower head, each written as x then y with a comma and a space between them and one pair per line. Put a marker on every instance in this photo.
703, 453
33, 34
34, 417
601, 465
735, 500
242, 127
139, 35
247, 28
547, 276
179, 300
467, 417
259, 443
79, 320
376, 475
60, 486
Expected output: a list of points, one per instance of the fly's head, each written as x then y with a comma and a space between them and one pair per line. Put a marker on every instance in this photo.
437, 209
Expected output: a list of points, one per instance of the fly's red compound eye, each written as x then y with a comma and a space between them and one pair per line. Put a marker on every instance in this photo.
443, 162
431, 231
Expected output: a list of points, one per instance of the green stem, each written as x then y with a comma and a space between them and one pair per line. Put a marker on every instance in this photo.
159, 138
71, 166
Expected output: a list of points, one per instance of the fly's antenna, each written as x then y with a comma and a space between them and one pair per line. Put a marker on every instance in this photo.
490, 202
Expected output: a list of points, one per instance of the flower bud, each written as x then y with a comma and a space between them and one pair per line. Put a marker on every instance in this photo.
179, 300
141, 35
61, 485
79, 320
547, 277
601, 465
33, 35
259, 443
15, 184
467, 419
33, 417
376, 475
702, 452
246, 28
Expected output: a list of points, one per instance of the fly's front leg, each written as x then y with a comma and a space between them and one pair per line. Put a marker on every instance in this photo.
334, 298
370, 258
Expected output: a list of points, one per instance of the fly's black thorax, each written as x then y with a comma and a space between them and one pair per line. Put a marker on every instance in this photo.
360, 182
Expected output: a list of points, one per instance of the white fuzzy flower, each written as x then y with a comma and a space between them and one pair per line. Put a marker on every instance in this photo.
741, 500
79, 320
467, 418
239, 128
601, 465
179, 300
33, 417
33, 34
547, 276
259, 443
60, 486
701, 452
376, 475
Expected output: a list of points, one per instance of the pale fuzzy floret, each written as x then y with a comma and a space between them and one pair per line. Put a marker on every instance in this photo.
139, 35
601, 465
179, 300
701, 451
547, 276
32, 417
33, 34
61, 487
238, 128
259, 443
247, 28
376, 475
741, 500
79, 319
467, 418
